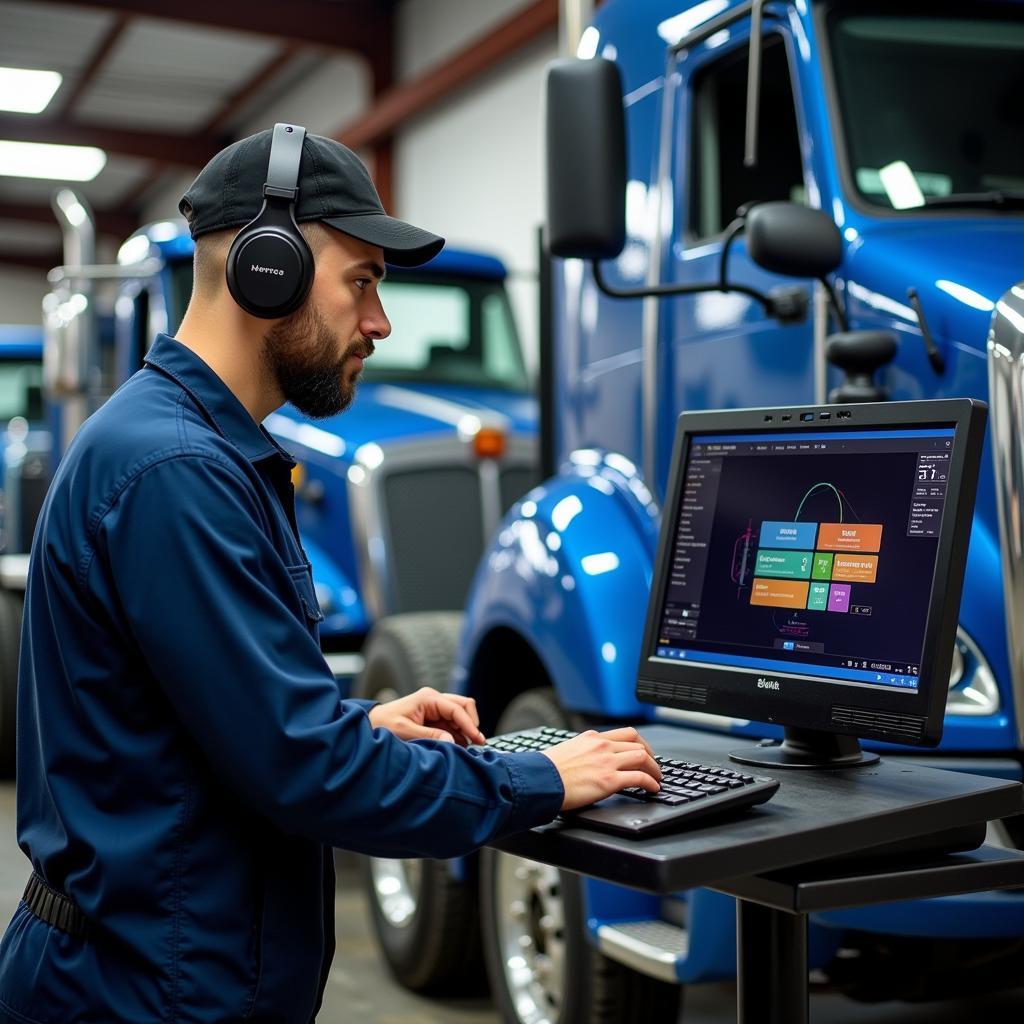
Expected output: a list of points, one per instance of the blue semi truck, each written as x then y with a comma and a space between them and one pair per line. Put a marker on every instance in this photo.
698, 156
396, 497
25, 451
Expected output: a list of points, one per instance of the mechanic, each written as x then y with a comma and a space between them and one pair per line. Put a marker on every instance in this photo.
185, 763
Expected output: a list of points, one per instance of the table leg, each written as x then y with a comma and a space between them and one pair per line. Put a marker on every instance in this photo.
771, 965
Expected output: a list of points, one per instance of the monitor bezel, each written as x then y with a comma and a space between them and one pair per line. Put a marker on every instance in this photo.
732, 691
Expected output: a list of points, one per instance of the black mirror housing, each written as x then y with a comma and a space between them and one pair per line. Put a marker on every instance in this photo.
786, 238
586, 160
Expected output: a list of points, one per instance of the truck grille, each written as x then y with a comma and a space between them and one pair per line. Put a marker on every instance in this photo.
423, 514
515, 483
436, 536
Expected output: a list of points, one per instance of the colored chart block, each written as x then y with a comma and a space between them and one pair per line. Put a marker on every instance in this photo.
788, 535
822, 569
817, 597
855, 568
779, 593
850, 537
839, 597
792, 565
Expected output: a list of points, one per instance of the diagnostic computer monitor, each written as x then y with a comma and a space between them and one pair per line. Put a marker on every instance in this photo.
809, 571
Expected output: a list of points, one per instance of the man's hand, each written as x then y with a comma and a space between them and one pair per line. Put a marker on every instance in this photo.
429, 715
594, 765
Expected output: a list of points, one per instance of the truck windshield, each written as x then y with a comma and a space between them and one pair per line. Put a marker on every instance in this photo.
443, 331
21, 389
448, 331
931, 104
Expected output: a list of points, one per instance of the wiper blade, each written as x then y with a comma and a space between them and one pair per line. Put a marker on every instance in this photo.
979, 200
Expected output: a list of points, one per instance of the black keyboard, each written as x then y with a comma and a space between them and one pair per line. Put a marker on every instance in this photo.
690, 791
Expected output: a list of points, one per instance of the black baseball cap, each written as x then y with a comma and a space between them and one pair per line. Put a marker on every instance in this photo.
334, 188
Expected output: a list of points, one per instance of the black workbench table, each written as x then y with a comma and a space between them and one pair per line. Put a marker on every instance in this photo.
775, 858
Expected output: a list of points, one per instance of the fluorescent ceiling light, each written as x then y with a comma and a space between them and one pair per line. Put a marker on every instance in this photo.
27, 92
44, 160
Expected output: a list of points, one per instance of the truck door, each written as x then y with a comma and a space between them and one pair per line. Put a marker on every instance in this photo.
721, 349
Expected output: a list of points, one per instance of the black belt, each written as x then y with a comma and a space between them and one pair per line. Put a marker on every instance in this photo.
55, 908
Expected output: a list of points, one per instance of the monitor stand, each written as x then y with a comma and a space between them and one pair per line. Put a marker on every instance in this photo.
807, 748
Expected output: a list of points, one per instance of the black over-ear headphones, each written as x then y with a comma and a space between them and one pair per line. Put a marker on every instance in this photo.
270, 266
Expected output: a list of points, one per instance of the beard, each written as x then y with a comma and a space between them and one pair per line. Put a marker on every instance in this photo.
301, 354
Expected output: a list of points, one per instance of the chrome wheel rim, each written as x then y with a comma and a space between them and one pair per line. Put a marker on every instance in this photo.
530, 922
396, 888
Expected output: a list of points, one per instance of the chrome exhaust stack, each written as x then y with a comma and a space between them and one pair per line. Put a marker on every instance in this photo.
1006, 415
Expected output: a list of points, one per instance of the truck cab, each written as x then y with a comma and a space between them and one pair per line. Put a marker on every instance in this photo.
902, 130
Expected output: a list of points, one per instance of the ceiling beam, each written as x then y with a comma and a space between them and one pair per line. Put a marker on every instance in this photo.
402, 102
248, 88
182, 150
349, 25
108, 222
30, 261
96, 61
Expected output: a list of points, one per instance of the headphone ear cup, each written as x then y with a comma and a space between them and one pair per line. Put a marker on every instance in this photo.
270, 267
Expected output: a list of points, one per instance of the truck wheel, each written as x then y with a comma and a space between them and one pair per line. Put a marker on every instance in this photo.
541, 966
10, 640
425, 919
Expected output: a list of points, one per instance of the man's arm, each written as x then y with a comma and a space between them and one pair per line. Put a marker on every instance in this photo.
250, 684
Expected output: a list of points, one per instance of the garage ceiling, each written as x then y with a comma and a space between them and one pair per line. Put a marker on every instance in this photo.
161, 87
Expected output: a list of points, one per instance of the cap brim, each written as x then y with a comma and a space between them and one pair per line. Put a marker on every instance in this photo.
404, 245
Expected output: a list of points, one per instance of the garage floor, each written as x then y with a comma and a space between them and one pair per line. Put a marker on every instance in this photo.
360, 989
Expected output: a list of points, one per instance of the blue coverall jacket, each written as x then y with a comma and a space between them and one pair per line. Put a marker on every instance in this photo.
184, 760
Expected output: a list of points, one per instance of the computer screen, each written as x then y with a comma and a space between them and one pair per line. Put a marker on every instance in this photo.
805, 565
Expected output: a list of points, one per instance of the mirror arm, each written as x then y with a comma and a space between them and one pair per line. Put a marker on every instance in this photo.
833, 300
662, 290
728, 237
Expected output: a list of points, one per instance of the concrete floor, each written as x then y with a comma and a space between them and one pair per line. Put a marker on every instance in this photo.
360, 989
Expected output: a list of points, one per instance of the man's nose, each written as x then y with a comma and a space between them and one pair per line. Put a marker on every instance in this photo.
376, 324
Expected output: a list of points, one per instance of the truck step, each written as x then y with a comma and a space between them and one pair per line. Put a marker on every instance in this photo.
654, 948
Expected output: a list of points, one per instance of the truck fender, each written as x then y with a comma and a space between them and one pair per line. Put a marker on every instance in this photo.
568, 575
339, 599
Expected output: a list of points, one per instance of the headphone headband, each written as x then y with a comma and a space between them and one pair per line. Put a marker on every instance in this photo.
285, 157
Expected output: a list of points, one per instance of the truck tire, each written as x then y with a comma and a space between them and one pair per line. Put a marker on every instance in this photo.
425, 919
10, 641
533, 913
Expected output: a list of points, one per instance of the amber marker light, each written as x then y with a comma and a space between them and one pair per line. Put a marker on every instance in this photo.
298, 476
489, 443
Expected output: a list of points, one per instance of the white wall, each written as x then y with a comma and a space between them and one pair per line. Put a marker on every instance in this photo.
430, 30
21, 295
471, 169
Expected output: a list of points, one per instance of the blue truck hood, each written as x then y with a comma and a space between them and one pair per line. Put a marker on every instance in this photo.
960, 267
386, 412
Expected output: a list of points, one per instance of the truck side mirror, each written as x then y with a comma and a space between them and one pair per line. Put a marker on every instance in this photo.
786, 238
586, 151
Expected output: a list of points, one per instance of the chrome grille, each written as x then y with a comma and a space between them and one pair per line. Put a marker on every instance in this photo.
435, 530
515, 482
422, 513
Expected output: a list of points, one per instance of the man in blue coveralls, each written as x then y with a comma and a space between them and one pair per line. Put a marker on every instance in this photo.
184, 761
